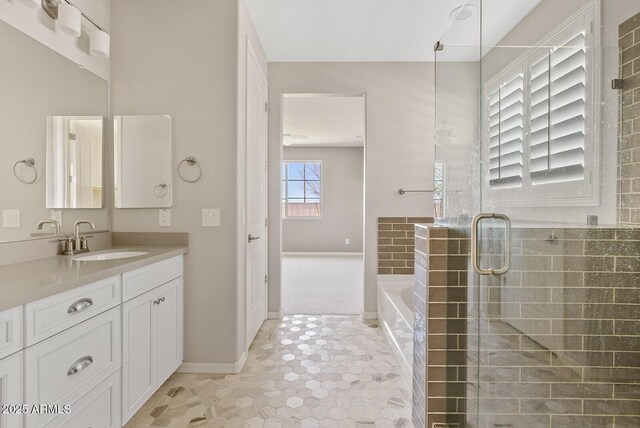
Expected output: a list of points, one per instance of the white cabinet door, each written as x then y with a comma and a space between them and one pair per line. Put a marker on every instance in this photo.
168, 308
11, 389
139, 372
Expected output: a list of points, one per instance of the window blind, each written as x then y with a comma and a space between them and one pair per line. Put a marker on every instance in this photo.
506, 133
557, 115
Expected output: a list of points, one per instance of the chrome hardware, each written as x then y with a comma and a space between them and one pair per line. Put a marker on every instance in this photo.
190, 161
30, 163
80, 365
475, 244
162, 192
250, 239
54, 223
403, 191
80, 245
617, 84
80, 306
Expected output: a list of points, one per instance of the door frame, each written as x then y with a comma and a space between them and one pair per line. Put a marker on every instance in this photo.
279, 254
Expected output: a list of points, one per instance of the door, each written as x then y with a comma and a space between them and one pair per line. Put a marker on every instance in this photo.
537, 143
169, 327
11, 390
256, 195
138, 346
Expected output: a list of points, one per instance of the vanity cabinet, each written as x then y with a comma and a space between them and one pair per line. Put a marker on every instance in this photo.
93, 355
11, 390
152, 338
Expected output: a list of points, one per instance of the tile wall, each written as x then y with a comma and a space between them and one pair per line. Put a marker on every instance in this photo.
396, 244
629, 142
556, 341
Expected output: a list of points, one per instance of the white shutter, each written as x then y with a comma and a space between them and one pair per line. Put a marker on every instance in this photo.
558, 109
506, 133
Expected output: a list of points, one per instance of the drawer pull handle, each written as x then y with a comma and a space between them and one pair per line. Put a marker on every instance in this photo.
157, 302
79, 365
80, 306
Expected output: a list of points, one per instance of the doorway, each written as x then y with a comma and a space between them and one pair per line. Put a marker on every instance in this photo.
323, 203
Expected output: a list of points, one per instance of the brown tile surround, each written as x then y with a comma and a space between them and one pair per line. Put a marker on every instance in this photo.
395, 244
629, 141
558, 340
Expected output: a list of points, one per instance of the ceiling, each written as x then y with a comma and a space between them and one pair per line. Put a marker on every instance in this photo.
320, 120
376, 30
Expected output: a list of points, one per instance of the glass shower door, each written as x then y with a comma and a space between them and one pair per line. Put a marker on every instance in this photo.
536, 143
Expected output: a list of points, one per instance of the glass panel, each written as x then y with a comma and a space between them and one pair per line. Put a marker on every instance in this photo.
553, 342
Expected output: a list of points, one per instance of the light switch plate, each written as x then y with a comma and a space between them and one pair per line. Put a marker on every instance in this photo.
164, 218
210, 217
10, 218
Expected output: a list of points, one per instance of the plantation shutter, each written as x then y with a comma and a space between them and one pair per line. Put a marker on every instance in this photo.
558, 109
506, 133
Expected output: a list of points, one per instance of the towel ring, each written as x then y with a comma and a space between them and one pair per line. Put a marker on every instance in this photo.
163, 190
191, 161
31, 164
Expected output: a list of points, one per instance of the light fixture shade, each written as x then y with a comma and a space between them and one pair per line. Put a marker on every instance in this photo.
69, 19
100, 43
33, 4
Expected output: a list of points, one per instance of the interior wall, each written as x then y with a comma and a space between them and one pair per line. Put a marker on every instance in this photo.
398, 153
189, 72
342, 202
37, 24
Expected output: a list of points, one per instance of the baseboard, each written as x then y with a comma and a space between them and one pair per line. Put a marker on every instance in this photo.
328, 254
276, 315
369, 315
214, 368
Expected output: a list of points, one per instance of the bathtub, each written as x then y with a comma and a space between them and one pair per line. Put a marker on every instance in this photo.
395, 316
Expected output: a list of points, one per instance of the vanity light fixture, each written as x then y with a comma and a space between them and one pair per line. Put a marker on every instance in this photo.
69, 19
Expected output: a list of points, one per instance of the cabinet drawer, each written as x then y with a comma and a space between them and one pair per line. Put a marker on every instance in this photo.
99, 408
10, 331
49, 316
138, 281
72, 362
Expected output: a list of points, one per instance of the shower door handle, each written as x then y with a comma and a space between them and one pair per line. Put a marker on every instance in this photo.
475, 244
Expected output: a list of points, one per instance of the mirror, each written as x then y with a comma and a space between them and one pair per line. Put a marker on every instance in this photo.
143, 170
37, 86
74, 161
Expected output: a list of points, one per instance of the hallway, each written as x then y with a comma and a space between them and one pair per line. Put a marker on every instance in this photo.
302, 371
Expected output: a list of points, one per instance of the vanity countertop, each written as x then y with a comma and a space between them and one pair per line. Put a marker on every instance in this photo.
24, 282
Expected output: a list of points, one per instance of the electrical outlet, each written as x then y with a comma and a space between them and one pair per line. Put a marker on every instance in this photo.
57, 216
10, 218
164, 218
210, 217
347, 241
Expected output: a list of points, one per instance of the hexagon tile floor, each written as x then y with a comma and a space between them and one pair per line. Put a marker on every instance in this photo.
302, 371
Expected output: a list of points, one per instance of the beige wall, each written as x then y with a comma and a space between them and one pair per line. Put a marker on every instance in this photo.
342, 202
398, 153
183, 61
27, 100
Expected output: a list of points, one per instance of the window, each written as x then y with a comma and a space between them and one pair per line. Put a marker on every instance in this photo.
302, 189
540, 144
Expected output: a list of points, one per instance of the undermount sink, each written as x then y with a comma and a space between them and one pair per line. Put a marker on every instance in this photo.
113, 255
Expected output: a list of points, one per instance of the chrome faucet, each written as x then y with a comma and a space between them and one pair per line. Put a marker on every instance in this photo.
54, 223
81, 245
76, 244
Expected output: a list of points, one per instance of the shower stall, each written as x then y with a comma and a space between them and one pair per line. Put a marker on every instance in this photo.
528, 310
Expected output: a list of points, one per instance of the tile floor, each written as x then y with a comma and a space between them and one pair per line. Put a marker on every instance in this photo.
302, 371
